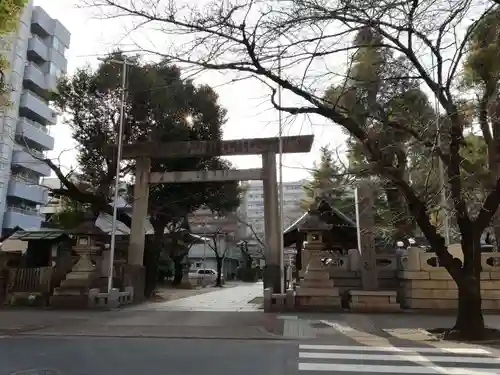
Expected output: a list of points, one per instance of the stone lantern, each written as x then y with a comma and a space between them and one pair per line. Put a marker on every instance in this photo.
73, 291
316, 290
87, 238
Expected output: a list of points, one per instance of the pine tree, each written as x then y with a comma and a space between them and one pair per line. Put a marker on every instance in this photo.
329, 177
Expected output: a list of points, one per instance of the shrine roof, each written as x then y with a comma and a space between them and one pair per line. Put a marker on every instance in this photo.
327, 213
38, 234
331, 216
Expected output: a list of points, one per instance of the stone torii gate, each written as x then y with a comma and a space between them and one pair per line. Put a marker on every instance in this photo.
266, 147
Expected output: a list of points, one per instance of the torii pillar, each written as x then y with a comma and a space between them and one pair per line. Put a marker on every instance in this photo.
272, 270
139, 212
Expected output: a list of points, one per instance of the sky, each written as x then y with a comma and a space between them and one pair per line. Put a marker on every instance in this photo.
249, 110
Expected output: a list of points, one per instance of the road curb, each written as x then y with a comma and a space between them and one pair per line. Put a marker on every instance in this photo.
267, 337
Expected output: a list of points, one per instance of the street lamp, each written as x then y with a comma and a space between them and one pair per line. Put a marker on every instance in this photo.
117, 174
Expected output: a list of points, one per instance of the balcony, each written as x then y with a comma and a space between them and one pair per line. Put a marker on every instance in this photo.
37, 81
41, 22
34, 76
24, 190
50, 209
24, 218
35, 132
37, 107
23, 158
37, 49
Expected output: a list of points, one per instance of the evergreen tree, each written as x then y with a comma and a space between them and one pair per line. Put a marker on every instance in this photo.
10, 11
368, 92
158, 102
329, 177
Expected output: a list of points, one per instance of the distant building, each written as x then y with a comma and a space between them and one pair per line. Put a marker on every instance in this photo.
253, 200
201, 255
206, 223
36, 55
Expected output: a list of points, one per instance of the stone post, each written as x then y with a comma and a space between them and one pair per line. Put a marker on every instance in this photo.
139, 211
370, 299
272, 274
368, 264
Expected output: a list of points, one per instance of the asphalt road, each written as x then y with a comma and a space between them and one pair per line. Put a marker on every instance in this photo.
145, 356
30, 355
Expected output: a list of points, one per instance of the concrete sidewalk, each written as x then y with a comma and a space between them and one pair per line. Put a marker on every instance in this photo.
167, 324
234, 298
21, 320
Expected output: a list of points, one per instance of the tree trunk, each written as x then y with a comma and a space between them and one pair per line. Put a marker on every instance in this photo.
470, 322
248, 261
219, 261
152, 260
178, 270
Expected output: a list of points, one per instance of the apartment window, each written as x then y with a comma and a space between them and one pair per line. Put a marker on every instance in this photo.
55, 70
58, 46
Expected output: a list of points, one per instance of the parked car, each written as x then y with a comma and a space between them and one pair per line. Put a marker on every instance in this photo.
207, 275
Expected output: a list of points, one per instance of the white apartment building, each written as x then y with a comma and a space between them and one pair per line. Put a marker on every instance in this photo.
36, 55
253, 204
54, 203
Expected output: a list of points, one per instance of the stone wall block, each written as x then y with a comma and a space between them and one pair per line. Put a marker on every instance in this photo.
414, 275
432, 304
432, 293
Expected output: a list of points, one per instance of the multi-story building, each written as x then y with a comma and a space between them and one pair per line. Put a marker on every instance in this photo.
293, 193
204, 221
54, 202
36, 55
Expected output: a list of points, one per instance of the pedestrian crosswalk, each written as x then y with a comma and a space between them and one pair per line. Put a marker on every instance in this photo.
351, 360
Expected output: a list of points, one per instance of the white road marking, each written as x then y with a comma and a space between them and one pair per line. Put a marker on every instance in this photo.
384, 369
337, 326
339, 359
394, 349
398, 357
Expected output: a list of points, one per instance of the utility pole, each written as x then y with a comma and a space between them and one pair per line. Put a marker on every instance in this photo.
444, 200
117, 174
280, 166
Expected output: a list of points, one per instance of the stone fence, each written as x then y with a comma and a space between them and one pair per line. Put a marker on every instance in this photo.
346, 273
427, 285
418, 278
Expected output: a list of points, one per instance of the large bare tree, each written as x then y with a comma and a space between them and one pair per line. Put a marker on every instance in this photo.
313, 41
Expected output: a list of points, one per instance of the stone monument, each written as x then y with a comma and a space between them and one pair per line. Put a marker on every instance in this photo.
316, 290
74, 289
370, 298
